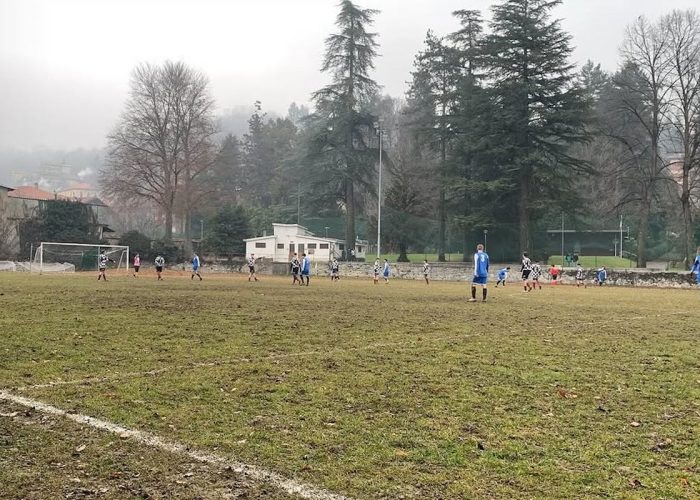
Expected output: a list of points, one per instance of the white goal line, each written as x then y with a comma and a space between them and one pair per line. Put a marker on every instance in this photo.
254, 472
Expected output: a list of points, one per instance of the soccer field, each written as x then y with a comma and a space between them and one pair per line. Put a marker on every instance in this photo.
250, 390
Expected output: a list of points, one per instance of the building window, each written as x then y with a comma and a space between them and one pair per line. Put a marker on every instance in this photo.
323, 246
311, 246
260, 244
341, 246
280, 246
359, 249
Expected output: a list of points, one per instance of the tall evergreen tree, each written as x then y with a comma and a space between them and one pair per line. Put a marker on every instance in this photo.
431, 104
340, 129
542, 111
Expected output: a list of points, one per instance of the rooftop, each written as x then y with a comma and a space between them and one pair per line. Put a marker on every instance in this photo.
31, 193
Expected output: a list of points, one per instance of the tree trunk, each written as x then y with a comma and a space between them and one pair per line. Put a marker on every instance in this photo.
403, 257
643, 234
524, 209
349, 218
187, 247
688, 237
442, 212
168, 237
466, 233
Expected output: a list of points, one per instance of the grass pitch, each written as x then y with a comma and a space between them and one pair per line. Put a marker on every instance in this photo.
386, 391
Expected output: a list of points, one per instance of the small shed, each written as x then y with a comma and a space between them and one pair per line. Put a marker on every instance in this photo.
287, 239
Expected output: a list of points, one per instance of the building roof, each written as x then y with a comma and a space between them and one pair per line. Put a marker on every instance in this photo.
79, 186
31, 193
6, 187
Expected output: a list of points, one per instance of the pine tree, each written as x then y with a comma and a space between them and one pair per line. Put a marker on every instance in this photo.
338, 140
431, 106
542, 112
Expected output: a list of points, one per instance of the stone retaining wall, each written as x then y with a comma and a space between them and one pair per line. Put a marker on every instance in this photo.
457, 271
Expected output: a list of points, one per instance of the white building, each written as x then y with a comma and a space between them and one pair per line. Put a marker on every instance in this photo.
289, 238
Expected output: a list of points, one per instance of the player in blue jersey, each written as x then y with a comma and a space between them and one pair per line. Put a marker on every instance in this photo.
696, 267
195, 267
305, 268
601, 276
386, 272
502, 276
481, 272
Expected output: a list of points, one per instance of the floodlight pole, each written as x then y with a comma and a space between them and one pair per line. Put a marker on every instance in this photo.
621, 254
562, 240
378, 125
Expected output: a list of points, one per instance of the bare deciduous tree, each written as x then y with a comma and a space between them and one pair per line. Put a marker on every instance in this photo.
163, 141
644, 85
683, 29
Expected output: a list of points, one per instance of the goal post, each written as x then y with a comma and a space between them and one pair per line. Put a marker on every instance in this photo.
54, 257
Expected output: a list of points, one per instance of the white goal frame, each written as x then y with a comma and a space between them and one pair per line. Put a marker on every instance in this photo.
40, 251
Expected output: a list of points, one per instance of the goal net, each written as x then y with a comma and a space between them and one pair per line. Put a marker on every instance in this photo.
70, 257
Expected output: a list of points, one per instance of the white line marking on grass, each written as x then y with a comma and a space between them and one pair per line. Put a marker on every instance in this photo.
252, 471
225, 362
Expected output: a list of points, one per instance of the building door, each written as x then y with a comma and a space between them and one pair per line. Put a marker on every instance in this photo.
300, 248
291, 249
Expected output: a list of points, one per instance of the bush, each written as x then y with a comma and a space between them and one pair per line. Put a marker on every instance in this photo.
137, 243
169, 250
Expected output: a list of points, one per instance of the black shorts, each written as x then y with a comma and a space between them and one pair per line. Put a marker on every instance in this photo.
159, 269
103, 269
251, 269
526, 273
136, 269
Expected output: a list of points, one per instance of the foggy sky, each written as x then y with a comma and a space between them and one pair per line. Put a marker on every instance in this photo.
65, 64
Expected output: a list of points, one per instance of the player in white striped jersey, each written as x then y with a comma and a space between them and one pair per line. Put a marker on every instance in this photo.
102, 260
426, 272
535, 275
526, 269
580, 276
160, 263
251, 267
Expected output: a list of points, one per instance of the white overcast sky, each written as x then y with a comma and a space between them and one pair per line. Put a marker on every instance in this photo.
65, 64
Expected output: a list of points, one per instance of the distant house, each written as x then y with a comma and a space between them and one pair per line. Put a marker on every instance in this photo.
22, 203
290, 238
79, 191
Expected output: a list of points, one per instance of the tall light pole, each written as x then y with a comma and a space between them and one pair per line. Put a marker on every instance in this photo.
378, 126
486, 231
326, 228
562, 240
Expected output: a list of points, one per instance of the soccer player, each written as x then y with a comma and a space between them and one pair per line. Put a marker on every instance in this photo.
481, 272
554, 273
195, 267
305, 268
696, 267
535, 276
426, 271
580, 276
137, 265
601, 276
251, 267
386, 272
160, 263
102, 260
525, 270
295, 265
376, 271
335, 270
502, 276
